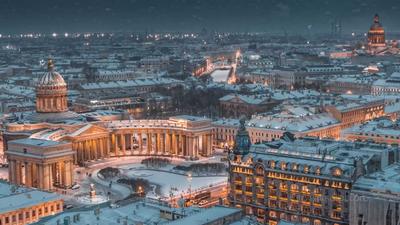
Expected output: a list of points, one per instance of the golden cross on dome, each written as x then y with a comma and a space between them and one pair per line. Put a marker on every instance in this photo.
50, 64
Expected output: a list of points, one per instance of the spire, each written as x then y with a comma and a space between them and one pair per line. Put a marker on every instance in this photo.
50, 65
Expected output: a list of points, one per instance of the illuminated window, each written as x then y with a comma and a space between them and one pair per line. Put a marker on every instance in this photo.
305, 188
294, 167
318, 171
337, 172
306, 169
283, 166
294, 187
272, 214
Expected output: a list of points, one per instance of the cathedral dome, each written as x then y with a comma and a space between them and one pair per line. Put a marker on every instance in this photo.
376, 35
51, 92
51, 77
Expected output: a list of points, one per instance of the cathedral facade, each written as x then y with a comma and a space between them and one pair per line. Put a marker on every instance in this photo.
43, 149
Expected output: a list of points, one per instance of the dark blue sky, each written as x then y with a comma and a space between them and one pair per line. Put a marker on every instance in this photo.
191, 15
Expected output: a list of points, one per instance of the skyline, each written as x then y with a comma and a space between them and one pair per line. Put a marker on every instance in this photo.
270, 16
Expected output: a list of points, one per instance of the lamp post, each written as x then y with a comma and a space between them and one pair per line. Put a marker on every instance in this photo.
189, 178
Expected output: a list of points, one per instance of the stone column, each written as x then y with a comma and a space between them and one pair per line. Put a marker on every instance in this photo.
162, 143
149, 143
85, 150
209, 144
183, 144
12, 172
196, 146
204, 144
62, 173
107, 143
132, 142
140, 143
173, 149
158, 143
82, 151
46, 177
114, 143
100, 144
68, 173
123, 144
18, 173
40, 176
167, 143
28, 174
94, 149
191, 149
51, 179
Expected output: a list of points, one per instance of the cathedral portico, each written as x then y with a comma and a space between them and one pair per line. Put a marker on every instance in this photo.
40, 163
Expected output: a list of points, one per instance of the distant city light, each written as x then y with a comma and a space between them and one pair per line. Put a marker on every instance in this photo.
66, 34
54, 34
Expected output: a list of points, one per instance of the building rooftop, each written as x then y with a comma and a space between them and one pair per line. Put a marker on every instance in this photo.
14, 198
325, 154
143, 212
35, 142
292, 122
386, 181
206, 216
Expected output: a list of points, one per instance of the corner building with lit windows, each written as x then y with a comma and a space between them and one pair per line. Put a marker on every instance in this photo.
305, 180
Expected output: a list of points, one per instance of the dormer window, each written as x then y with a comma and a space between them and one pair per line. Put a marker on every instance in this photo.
337, 172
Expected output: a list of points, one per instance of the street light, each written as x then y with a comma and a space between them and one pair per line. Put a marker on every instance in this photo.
189, 178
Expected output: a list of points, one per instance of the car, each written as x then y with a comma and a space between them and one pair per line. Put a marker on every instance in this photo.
75, 187
68, 206
203, 203
114, 206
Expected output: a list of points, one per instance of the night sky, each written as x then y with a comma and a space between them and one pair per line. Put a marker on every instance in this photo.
275, 16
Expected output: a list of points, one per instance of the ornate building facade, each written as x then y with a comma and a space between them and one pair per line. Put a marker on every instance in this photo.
40, 163
301, 180
51, 92
43, 150
376, 34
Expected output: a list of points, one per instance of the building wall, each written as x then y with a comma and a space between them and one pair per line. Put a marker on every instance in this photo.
374, 209
298, 194
31, 214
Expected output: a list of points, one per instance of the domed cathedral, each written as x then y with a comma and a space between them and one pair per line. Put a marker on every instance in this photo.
51, 98
51, 92
376, 34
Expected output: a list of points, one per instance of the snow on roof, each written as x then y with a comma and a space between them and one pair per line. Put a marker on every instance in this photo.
284, 222
386, 181
22, 198
249, 99
143, 212
35, 142
374, 128
130, 83
220, 75
324, 154
293, 123
224, 122
206, 216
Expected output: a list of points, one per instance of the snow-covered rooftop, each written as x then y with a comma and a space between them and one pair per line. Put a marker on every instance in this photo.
13, 198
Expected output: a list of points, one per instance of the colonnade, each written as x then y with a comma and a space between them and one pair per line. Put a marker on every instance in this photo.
159, 142
91, 149
45, 176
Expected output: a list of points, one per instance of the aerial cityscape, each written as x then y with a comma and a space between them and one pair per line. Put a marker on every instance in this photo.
188, 112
